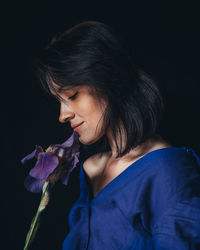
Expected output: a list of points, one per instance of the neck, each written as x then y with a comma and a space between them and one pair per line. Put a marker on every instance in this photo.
150, 144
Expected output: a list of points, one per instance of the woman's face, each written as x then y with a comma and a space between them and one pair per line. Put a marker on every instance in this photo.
80, 106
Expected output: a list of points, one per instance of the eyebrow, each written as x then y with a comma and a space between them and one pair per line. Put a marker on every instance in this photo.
66, 89
54, 91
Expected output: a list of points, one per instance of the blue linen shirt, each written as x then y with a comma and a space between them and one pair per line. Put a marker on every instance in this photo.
153, 204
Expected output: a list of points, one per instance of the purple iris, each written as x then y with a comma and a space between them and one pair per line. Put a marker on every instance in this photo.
57, 162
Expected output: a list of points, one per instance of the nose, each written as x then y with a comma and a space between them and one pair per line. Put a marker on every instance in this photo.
66, 113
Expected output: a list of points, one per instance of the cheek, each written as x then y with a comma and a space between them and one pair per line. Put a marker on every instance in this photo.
91, 113
90, 109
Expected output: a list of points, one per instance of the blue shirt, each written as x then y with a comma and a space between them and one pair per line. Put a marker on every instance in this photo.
153, 204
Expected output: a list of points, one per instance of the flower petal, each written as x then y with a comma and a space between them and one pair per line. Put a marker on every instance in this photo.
38, 149
65, 177
65, 152
33, 185
76, 160
70, 141
44, 166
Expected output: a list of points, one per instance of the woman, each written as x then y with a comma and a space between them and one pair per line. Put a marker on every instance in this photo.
137, 190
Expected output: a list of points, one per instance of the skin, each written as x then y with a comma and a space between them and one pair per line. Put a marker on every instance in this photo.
84, 107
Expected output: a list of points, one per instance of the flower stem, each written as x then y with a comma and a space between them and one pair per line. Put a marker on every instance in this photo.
35, 222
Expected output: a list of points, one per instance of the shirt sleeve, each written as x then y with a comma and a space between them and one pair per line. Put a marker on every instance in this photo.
179, 227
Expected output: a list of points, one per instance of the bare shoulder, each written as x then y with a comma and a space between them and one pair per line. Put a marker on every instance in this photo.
94, 164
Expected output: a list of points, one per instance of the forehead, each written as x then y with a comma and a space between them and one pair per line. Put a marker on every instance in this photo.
56, 89
60, 92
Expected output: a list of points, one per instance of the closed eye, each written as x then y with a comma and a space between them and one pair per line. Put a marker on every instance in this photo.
73, 97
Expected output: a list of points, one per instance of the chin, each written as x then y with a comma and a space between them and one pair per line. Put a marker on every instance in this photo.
88, 141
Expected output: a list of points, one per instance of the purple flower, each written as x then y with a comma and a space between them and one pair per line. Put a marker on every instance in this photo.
57, 162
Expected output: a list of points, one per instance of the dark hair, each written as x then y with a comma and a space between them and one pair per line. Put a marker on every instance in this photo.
92, 54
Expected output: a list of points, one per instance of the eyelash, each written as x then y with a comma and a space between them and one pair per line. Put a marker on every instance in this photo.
73, 97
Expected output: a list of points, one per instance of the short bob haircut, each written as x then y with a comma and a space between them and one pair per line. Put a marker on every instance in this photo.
92, 54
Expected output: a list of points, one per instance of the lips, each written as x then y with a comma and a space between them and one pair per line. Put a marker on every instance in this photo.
76, 125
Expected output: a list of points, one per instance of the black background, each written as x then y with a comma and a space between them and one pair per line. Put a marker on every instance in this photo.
164, 35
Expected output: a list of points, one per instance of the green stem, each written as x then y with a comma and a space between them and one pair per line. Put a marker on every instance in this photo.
35, 222
29, 237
